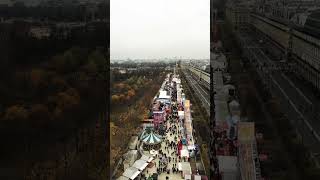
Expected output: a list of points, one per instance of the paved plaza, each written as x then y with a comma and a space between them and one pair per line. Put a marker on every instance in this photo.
170, 152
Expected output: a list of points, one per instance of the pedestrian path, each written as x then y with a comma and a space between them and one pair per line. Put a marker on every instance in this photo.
170, 153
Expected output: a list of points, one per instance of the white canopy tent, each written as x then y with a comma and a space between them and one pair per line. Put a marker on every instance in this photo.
146, 158
185, 168
192, 147
123, 178
184, 153
131, 173
187, 177
197, 177
140, 164
164, 95
181, 114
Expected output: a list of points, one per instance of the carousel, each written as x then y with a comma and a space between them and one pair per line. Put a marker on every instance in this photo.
151, 140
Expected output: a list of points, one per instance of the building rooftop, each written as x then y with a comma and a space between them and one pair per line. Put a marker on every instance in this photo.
140, 164
131, 173
164, 95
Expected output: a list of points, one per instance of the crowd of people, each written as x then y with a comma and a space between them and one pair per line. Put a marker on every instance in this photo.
168, 157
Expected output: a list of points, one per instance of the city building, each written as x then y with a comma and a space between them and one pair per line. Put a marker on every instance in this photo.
291, 29
237, 13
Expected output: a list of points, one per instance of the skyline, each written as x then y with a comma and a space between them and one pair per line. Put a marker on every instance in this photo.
153, 29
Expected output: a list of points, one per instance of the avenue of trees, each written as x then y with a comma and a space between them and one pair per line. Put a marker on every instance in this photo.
131, 97
125, 91
53, 96
47, 103
47, 92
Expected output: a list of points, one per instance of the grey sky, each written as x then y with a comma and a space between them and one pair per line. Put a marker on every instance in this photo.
159, 28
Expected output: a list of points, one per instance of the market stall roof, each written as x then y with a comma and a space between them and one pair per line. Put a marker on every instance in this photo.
246, 132
185, 166
187, 103
191, 147
197, 177
181, 113
187, 177
123, 178
140, 164
217, 81
228, 163
131, 173
146, 158
221, 111
151, 138
184, 153
164, 95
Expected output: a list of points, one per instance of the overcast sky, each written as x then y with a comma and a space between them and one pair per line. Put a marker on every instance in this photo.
149, 29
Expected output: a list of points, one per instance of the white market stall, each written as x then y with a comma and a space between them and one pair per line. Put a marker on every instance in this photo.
197, 177
184, 153
185, 168
131, 173
163, 96
181, 115
146, 158
187, 177
123, 178
140, 164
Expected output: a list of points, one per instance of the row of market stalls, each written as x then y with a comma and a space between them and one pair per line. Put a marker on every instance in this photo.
135, 170
181, 109
169, 109
227, 116
186, 146
233, 140
161, 104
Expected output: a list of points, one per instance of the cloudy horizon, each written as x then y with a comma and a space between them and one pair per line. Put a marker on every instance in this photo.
157, 29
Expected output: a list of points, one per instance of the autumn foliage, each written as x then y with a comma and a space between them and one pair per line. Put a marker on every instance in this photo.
50, 91
130, 100
125, 91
